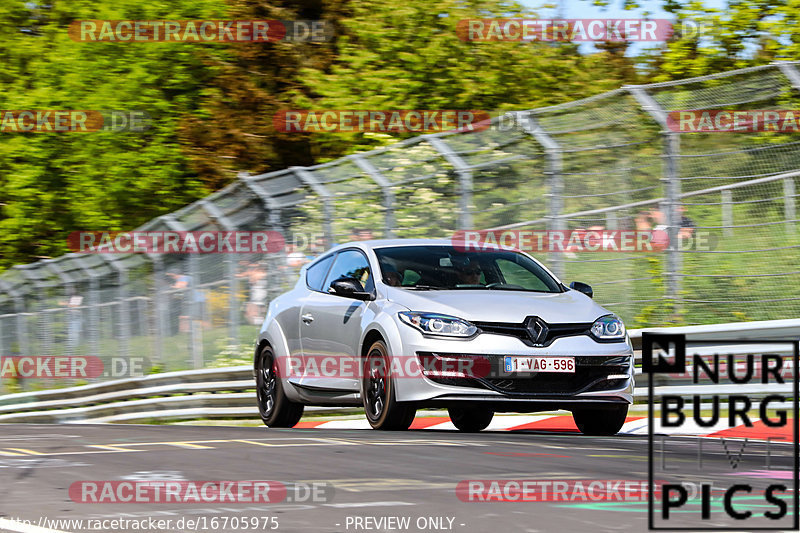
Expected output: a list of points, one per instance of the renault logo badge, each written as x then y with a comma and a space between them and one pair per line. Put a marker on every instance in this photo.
537, 330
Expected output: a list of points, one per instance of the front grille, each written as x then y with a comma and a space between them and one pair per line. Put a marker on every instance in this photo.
590, 375
522, 331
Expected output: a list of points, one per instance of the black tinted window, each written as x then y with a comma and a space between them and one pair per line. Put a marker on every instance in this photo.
351, 264
315, 274
448, 268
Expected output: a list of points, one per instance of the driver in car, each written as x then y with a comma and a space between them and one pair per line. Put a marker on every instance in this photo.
468, 273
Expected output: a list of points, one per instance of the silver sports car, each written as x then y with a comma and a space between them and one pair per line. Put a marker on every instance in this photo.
397, 325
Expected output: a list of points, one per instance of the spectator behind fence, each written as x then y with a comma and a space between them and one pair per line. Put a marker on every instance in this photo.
193, 301
257, 284
74, 319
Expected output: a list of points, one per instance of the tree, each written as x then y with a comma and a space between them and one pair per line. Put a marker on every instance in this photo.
212, 105
709, 40
54, 183
253, 82
408, 56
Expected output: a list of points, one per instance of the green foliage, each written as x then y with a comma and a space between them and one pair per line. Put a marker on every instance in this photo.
742, 34
391, 56
54, 183
212, 104
228, 352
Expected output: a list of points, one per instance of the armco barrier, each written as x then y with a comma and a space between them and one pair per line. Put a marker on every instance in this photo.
230, 392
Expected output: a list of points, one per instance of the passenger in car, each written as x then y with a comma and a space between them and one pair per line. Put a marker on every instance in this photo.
393, 278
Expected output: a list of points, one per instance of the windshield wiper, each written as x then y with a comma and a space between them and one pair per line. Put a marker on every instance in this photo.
424, 287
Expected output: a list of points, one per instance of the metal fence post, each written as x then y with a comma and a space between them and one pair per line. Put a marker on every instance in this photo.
672, 190
789, 70
23, 346
68, 291
386, 188
464, 172
160, 317
231, 271
790, 213
231, 267
327, 207
555, 183
273, 220
612, 222
122, 312
556, 204
727, 213
195, 332
39, 297
19, 320
195, 314
93, 322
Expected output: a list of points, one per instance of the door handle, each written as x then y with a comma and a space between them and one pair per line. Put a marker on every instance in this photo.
308, 319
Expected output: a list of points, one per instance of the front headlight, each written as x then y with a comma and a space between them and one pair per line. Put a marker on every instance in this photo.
436, 324
608, 328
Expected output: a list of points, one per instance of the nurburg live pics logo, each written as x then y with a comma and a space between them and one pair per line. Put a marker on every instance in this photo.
754, 385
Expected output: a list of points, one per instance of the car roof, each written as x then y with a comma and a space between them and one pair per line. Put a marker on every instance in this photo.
373, 244
384, 243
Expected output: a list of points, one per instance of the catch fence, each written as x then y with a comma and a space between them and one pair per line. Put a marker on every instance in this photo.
612, 161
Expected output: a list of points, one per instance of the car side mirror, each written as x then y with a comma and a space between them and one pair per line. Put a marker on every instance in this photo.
349, 288
582, 287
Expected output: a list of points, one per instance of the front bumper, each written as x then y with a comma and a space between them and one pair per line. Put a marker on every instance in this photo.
604, 372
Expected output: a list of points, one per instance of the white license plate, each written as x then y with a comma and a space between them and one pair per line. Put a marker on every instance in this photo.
514, 363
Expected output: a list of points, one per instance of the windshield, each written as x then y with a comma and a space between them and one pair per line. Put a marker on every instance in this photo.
445, 268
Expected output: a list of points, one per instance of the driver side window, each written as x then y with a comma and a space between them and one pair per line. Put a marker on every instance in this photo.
351, 264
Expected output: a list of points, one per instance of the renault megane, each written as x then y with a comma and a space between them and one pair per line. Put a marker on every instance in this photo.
398, 325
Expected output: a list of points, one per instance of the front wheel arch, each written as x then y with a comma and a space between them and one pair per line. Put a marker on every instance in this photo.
275, 409
259, 346
387, 413
371, 338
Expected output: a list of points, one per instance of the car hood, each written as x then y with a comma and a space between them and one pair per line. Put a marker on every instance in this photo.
501, 306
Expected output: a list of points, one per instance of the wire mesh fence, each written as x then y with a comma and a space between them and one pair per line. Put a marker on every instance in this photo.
613, 161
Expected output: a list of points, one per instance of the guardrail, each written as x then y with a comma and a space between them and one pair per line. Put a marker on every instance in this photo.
230, 392
786, 329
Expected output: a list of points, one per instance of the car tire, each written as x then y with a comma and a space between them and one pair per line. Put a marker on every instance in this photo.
470, 419
600, 421
276, 410
378, 395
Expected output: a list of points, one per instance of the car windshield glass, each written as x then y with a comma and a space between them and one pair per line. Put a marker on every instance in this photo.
447, 268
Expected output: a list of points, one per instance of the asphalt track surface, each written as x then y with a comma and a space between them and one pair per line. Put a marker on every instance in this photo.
375, 475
